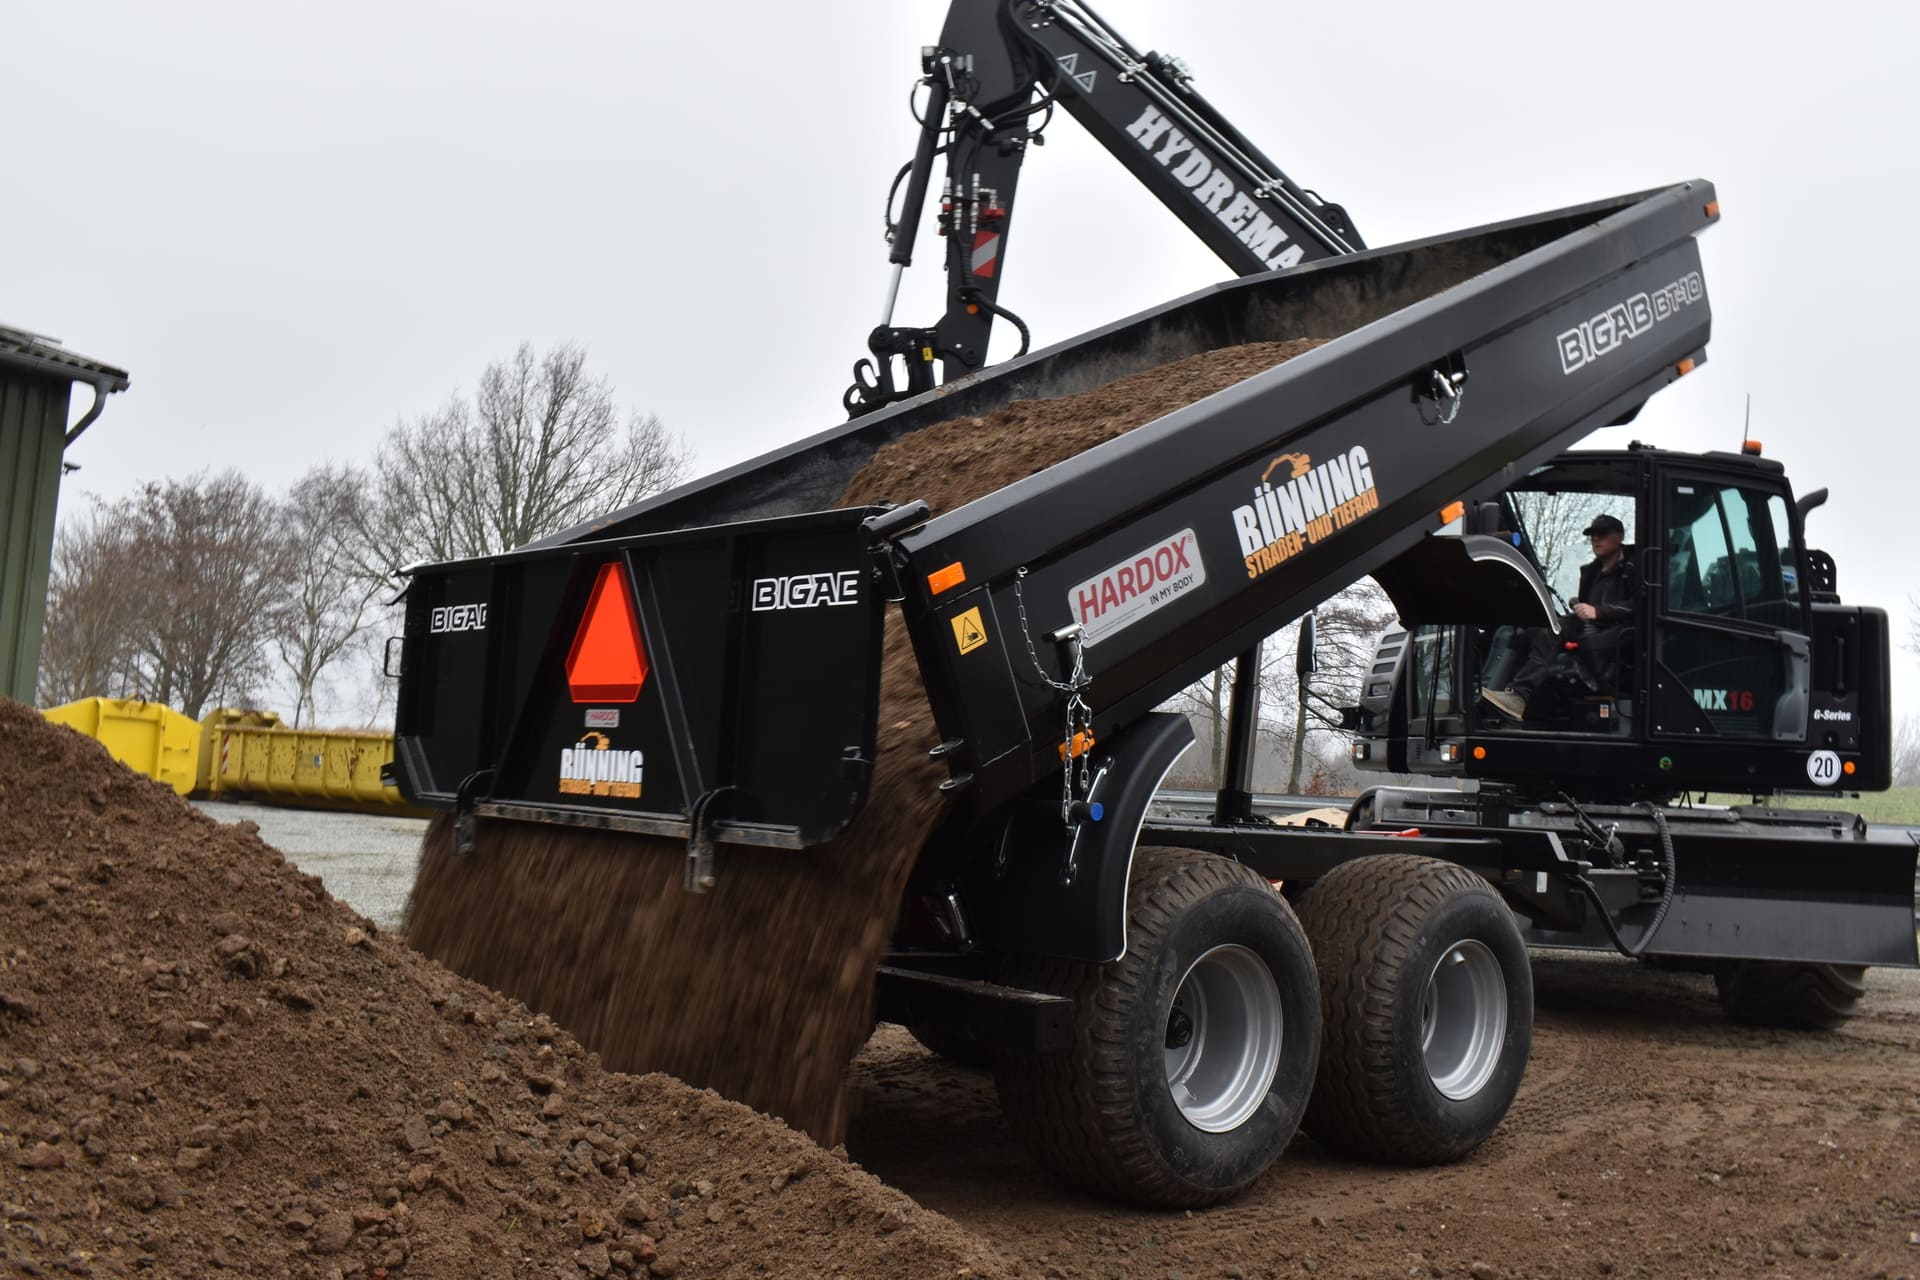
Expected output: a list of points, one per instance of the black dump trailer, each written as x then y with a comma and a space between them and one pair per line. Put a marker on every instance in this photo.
705, 665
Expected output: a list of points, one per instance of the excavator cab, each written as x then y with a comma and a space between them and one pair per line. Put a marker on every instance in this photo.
1736, 667
1581, 677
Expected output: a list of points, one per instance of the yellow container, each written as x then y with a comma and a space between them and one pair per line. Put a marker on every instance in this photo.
332, 769
145, 736
210, 726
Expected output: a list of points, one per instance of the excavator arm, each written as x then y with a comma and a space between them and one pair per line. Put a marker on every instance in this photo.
993, 82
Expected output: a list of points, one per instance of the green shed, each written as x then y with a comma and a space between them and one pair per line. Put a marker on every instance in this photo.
37, 376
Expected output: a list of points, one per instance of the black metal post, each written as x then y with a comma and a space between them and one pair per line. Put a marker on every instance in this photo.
1235, 800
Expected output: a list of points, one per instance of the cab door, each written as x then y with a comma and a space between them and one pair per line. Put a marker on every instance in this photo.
1730, 630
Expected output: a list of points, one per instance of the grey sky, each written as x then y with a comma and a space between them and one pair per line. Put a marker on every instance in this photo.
296, 224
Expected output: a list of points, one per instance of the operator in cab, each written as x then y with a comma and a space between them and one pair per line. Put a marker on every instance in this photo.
1602, 618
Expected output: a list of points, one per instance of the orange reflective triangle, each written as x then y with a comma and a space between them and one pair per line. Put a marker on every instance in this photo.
608, 662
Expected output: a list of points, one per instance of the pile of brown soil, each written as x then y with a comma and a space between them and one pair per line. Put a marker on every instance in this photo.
763, 988
206, 1063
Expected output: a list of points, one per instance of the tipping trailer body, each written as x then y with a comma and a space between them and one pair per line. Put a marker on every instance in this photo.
1451, 364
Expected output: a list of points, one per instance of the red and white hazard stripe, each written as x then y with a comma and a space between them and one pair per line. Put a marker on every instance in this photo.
986, 252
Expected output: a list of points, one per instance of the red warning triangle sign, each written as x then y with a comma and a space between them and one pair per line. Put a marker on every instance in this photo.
608, 662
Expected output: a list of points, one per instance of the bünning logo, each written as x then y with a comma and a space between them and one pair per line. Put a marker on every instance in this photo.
1307, 505
591, 767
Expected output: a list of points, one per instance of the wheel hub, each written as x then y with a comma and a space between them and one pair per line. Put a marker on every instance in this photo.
1463, 1019
1222, 1038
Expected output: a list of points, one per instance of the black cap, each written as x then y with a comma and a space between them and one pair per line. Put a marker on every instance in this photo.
1603, 524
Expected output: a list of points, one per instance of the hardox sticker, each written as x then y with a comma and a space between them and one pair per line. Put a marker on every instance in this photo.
1143, 583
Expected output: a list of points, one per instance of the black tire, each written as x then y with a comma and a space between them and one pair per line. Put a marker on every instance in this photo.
1103, 1114
1778, 993
956, 1049
1381, 928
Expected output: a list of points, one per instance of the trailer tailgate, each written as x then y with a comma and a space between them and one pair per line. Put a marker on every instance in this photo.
724, 678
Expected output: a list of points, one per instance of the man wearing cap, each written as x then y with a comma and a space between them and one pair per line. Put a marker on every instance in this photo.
1609, 585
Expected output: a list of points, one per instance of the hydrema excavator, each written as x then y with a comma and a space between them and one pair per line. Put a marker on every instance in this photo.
992, 84
1738, 670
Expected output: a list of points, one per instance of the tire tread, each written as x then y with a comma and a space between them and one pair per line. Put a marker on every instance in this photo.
1363, 920
1076, 1111
1802, 996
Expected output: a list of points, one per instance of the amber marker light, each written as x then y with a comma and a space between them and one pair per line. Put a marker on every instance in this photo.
1847, 768
1685, 367
1452, 511
1479, 753
1712, 208
946, 579
1750, 447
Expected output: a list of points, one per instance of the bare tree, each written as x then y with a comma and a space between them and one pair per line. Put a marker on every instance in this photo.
1348, 628
94, 599
329, 603
213, 565
1346, 632
541, 446
1906, 753
1554, 521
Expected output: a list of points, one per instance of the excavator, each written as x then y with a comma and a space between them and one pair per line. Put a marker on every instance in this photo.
1166, 1000
1740, 670
991, 85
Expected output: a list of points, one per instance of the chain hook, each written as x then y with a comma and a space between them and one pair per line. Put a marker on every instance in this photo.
1076, 780
1447, 390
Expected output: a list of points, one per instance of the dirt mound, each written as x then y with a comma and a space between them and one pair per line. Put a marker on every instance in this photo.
763, 989
206, 1063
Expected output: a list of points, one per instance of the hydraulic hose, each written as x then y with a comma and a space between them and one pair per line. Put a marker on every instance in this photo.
1669, 875
1026, 339
1668, 871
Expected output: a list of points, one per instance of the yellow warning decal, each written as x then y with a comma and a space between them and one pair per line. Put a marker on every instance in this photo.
969, 632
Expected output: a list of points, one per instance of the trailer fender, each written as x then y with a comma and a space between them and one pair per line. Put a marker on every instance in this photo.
1469, 578
1052, 889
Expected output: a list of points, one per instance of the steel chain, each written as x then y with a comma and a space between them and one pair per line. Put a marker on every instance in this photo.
1079, 714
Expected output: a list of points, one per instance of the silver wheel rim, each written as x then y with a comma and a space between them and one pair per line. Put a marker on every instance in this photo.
1463, 1019
1222, 1038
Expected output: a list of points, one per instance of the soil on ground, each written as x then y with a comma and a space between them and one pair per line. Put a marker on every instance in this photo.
208, 1065
1651, 1138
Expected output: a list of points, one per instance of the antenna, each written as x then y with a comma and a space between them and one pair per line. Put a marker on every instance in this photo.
1746, 428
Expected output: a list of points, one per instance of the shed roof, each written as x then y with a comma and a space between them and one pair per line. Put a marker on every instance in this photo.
37, 353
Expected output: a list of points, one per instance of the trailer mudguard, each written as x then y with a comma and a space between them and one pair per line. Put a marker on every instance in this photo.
1057, 889
1469, 578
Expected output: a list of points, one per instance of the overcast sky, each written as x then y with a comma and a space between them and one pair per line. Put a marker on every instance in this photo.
295, 224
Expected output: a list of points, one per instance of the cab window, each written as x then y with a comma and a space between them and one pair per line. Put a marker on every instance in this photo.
1730, 554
